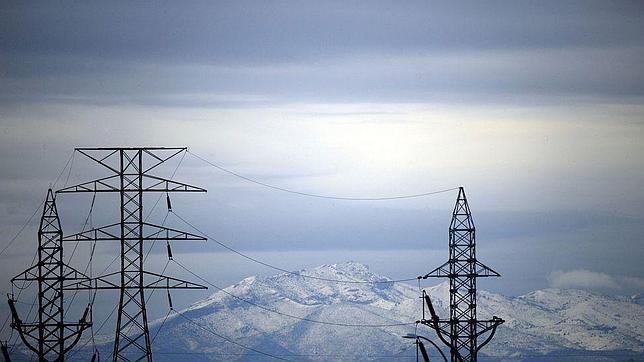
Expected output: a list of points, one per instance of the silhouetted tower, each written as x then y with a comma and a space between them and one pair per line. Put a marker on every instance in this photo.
50, 337
131, 179
462, 330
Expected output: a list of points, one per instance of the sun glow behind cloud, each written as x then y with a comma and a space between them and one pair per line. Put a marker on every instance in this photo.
375, 149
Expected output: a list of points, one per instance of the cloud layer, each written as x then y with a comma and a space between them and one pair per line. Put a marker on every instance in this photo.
595, 281
218, 53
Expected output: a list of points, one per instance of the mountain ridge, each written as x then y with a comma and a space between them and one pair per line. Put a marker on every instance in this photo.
302, 318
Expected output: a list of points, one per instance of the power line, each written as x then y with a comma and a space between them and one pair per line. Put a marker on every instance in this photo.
69, 159
161, 195
286, 314
161, 326
255, 260
110, 315
85, 224
69, 173
24, 226
98, 330
154, 241
331, 197
228, 339
13, 345
28, 315
50, 336
131, 168
25, 285
70, 162
88, 221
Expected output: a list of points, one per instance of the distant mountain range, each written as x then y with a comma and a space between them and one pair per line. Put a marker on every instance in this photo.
280, 315
548, 324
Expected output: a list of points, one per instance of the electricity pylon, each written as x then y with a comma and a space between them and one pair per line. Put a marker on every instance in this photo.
131, 179
460, 333
50, 337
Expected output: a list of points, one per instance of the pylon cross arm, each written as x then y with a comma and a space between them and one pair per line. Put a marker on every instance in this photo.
483, 270
157, 281
112, 232
440, 272
105, 184
154, 183
101, 282
166, 282
30, 274
70, 273
443, 271
112, 184
131, 179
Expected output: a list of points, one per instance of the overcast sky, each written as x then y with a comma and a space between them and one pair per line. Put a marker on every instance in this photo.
535, 107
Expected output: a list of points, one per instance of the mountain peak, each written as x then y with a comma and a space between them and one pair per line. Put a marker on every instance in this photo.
296, 313
349, 267
346, 282
332, 283
349, 271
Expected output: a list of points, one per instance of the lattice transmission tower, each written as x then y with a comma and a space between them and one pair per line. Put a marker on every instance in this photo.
461, 331
131, 180
50, 337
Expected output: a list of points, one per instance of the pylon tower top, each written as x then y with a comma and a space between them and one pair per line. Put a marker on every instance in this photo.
131, 178
461, 331
50, 337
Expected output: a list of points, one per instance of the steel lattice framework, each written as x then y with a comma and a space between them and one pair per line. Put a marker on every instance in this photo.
50, 337
131, 179
461, 331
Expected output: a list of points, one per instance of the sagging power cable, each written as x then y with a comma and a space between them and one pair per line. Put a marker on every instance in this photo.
255, 260
228, 339
331, 197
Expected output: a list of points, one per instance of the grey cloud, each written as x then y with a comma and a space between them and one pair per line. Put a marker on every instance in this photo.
582, 279
251, 53
546, 75
595, 281
257, 31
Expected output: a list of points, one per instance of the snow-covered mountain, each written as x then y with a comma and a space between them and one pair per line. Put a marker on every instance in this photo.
280, 315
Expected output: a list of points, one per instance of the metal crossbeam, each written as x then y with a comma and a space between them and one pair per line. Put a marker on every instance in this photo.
148, 184
157, 281
130, 179
50, 337
460, 333
151, 232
